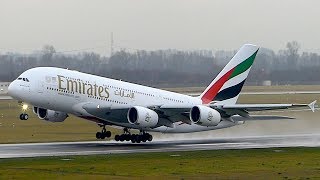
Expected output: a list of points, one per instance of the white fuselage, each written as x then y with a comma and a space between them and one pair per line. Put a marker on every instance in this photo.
66, 90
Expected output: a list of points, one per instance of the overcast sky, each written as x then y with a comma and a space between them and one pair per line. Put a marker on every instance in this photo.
27, 25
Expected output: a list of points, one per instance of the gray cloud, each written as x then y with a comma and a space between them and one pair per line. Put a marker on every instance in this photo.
157, 24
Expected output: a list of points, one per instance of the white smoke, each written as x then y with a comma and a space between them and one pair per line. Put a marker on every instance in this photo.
306, 122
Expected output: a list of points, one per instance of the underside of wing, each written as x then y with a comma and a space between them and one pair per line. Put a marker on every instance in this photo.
261, 117
167, 115
244, 109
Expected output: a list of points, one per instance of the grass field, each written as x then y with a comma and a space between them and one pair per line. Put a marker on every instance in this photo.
283, 163
12, 130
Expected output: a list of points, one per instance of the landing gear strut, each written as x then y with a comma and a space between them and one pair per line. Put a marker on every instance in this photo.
24, 115
104, 133
134, 138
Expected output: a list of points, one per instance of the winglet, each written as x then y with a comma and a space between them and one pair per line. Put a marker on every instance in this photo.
312, 105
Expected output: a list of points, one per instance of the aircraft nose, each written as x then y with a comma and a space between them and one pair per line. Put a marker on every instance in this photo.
13, 90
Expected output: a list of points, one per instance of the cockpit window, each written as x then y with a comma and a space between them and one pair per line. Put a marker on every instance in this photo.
23, 79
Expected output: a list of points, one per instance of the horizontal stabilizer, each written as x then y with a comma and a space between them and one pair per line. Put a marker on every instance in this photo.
313, 105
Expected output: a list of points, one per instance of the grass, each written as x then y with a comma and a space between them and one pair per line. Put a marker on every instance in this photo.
13, 130
283, 163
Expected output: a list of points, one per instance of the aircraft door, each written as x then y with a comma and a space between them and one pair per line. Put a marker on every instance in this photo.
40, 88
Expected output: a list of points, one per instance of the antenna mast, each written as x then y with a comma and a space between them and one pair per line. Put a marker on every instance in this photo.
111, 44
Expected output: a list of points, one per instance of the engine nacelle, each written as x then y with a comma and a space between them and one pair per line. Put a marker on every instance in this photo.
50, 115
35, 110
142, 117
205, 116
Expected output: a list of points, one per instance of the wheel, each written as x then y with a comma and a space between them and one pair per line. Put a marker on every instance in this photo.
103, 136
128, 137
138, 139
25, 117
98, 135
149, 138
116, 137
21, 116
133, 138
108, 134
121, 138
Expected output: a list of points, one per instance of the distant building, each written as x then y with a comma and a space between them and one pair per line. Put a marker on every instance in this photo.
266, 83
4, 87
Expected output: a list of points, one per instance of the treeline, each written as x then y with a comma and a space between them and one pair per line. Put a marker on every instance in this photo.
171, 67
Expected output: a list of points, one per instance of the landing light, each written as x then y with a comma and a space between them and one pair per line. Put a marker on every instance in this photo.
24, 107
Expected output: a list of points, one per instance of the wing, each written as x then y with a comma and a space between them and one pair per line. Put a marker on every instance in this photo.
169, 114
117, 115
244, 109
240, 109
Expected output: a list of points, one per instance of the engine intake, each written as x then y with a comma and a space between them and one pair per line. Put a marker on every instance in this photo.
204, 116
142, 117
52, 116
35, 110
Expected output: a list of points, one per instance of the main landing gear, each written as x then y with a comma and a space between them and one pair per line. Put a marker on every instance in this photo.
134, 138
104, 133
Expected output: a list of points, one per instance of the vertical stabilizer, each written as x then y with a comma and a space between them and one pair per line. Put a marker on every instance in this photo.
226, 87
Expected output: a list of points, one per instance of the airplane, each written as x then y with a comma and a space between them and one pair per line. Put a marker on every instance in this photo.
55, 92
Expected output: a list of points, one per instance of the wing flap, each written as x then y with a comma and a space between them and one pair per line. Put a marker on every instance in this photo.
262, 107
261, 118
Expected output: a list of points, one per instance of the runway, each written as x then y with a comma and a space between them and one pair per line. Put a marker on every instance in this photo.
112, 147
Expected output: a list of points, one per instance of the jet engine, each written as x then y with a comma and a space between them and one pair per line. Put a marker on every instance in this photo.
50, 115
142, 117
35, 110
205, 116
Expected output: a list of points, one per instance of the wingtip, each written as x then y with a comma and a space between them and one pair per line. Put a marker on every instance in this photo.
312, 105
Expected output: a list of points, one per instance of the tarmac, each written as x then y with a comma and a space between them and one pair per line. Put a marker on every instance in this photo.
113, 147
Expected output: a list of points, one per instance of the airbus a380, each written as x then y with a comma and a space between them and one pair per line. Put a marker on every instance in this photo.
54, 93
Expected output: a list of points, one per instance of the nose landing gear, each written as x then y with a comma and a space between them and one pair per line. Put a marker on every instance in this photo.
104, 133
24, 115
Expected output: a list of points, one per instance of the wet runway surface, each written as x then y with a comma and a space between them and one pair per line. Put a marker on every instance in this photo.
112, 147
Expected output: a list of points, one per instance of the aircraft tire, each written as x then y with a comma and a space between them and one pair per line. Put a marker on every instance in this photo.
121, 138
98, 135
107, 134
138, 139
133, 138
149, 138
128, 137
25, 116
116, 137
